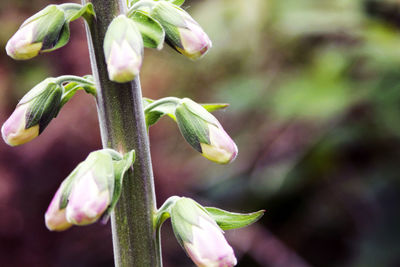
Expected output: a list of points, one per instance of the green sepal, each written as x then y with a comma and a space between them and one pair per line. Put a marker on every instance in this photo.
151, 30
193, 128
184, 215
44, 107
121, 166
36, 91
167, 13
63, 39
49, 27
199, 111
74, 11
230, 220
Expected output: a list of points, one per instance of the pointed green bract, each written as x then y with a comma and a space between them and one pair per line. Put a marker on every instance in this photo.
44, 107
231, 220
121, 166
156, 109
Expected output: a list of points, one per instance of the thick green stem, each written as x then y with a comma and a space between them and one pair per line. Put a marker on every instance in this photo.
123, 128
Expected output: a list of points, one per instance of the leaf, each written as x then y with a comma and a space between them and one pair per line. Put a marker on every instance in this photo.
120, 169
74, 11
230, 220
152, 32
214, 106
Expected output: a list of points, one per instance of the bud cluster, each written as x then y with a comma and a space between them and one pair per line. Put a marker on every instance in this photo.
148, 23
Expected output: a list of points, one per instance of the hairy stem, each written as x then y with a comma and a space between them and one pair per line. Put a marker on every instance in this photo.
123, 128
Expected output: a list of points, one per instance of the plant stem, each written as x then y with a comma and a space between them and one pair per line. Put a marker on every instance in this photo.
123, 128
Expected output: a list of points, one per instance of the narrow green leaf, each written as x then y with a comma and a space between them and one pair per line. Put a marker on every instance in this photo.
120, 169
230, 220
214, 106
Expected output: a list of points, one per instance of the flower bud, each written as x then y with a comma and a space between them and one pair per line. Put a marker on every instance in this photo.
55, 217
183, 33
38, 33
91, 189
33, 113
88, 200
14, 132
204, 133
200, 235
123, 49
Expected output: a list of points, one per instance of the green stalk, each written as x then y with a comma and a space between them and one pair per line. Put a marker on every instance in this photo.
123, 128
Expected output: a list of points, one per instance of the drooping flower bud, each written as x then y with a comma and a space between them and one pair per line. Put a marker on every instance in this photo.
88, 200
38, 33
55, 217
204, 133
92, 189
33, 113
183, 33
200, 235
123, 50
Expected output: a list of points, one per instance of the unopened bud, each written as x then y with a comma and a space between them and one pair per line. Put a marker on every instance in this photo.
87, 201
55, 217
123, 49
33, 113
91, 190
14, 132
183, 33
200, 235
204, 133
40, 32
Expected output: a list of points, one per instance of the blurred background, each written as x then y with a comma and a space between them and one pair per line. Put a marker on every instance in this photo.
314, 93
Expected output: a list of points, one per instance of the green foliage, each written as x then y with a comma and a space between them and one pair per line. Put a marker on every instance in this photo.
231, 220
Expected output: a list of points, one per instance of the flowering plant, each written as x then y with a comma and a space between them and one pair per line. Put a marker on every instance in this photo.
117, 180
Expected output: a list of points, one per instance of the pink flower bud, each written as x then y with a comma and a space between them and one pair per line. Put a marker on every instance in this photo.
14, 132
204, 133
123, 62
209, 247
123, 49
195, 42
41, 32
21, 45
55, 217
221, 149
87, 201
183, 33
